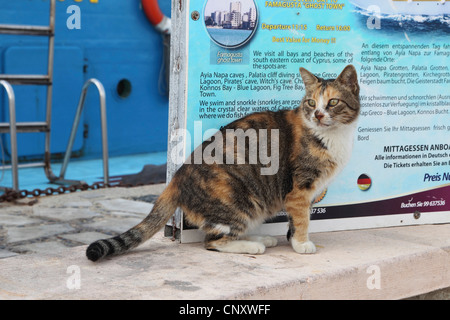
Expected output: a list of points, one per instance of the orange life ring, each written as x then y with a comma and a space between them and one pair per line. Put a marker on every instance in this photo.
155, 16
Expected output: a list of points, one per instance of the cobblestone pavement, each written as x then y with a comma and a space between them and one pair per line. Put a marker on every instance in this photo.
58, 222
70, 220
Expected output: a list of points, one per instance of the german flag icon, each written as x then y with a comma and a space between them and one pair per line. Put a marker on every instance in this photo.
364, 182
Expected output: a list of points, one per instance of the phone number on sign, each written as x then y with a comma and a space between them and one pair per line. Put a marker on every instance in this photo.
318, 210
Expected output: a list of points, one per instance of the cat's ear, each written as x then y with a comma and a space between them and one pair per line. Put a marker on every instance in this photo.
308, 78
349, 79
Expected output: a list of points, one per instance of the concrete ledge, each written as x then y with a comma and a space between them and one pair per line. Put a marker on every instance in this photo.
389, 263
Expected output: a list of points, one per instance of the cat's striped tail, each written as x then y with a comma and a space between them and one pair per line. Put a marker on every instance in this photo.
163, 209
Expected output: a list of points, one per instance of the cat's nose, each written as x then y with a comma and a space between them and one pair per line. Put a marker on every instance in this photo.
319, 115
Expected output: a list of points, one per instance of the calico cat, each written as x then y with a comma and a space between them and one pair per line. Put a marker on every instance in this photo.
225, 200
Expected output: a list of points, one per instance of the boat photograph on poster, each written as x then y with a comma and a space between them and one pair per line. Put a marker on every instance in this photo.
407, 7
405, 16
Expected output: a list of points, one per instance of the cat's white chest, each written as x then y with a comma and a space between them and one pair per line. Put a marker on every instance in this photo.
339, 144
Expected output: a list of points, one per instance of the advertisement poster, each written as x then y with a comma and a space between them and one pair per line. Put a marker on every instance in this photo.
243, 56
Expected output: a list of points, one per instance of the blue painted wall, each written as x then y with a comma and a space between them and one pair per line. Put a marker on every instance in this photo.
115, 42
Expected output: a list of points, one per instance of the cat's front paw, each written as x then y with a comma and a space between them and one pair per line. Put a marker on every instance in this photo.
303, 247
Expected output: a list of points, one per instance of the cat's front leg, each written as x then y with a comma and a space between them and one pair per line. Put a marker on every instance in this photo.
298, 208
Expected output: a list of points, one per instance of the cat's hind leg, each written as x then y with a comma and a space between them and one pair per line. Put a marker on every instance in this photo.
226, 243
267, 241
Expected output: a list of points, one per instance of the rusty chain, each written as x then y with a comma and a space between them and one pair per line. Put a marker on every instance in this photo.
13, 195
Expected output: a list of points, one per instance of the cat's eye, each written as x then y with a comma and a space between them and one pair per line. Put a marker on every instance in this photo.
311, 103
333, 102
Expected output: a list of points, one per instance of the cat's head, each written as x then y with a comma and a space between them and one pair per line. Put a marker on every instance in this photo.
333, 102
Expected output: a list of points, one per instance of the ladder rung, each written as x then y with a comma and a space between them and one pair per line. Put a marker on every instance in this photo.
25, 30
25, 127
24, 165
26, 79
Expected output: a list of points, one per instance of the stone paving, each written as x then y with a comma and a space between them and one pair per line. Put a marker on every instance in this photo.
70, 220
56, 227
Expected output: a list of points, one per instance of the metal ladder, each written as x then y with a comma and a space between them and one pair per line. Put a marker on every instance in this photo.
47, 80
102, 96
12, 127
12, 131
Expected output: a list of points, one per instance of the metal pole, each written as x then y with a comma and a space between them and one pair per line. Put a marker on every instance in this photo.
12, 132
51, 46
102, 96
76, 121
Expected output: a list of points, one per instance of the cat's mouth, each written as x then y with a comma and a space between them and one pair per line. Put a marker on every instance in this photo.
322, 124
